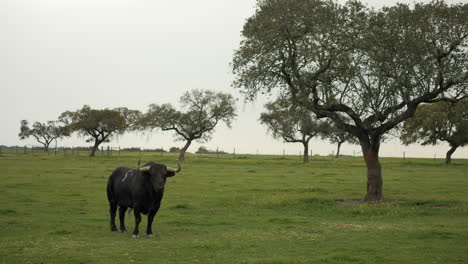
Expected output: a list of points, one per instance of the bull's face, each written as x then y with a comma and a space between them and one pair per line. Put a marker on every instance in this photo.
158, 173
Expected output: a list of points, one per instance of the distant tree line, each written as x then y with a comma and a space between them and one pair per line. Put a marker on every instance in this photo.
204, 150
202, 111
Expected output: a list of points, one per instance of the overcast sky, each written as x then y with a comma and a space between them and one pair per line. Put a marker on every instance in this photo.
57, 55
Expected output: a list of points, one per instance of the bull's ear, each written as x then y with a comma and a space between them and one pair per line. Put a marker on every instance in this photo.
170, 173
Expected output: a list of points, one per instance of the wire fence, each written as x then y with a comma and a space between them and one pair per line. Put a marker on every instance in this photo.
112, 151
117, 151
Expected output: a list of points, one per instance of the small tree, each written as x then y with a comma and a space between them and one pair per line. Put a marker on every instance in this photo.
99, 125
202, 150
442, 121
202, 110
336, 136
174, 149
44, 133
290, 123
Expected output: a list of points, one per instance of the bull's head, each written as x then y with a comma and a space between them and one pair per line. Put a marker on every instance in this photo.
158, 173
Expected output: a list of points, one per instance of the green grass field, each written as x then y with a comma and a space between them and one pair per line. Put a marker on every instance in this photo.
244, 210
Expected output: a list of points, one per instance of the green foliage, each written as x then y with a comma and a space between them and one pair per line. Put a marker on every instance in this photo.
42, 132
289, 122
202, 110
365, 69
99, 125
442, 121
253, 210
336, 135
174, 149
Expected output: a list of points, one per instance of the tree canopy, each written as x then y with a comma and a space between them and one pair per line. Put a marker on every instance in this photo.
442, 121
367, 70
99, 125
202, 111
291, 123
44, 133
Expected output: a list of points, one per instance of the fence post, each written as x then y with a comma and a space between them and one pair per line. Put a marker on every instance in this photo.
234, 152
257, 153
404, 156
24, 149
217, 153
119, 151
283, 153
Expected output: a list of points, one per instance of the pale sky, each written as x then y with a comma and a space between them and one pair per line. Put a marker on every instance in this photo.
57, 55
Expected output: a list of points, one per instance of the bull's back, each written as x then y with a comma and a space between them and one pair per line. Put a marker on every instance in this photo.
118, 189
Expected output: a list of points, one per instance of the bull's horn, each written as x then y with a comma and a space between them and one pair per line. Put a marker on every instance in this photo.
144, 169
175, 170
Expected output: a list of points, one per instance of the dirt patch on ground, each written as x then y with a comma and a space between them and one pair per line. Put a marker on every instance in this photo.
349, 202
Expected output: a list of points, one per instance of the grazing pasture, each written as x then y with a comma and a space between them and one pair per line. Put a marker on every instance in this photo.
244, 210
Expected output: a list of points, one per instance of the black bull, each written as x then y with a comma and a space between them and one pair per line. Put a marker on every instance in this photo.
138, 189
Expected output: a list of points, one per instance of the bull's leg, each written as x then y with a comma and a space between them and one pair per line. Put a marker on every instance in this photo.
112, 210
151, 215
122, 219
137, 214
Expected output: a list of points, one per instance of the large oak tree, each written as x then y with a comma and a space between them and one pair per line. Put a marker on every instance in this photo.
367, 70
99, 125
442, 121
202, 111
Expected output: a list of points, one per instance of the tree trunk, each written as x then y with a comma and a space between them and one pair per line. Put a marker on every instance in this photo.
374, 173
46, 146
95, 147
306, 151
448, 156
338, 149
184, 149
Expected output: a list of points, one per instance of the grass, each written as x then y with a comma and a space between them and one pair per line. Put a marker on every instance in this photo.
248, 209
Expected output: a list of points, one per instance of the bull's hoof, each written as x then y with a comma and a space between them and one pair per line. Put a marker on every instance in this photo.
149, 235
114, 231
135, 236
123, 231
